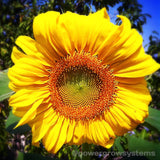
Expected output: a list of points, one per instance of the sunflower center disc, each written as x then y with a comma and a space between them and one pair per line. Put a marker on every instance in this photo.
81, 87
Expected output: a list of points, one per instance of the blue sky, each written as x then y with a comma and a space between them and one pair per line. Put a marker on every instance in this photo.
151, 7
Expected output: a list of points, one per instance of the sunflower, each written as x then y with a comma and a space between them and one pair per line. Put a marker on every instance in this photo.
81, 80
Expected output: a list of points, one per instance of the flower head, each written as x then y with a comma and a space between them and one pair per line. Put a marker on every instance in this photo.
81, 79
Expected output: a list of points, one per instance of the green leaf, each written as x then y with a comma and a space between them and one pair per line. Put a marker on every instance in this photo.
154, 118
31, 156
12, 121
5, 92
20, 156
141, 147
118, 145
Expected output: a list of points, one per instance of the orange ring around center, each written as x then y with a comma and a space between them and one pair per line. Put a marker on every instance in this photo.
70, 72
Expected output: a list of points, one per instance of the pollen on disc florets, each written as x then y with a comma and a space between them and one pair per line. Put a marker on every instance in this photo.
81, 87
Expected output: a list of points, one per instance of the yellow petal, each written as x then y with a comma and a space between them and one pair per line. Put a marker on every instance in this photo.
130, 108
22, 103
133, 100
27, 72
114, 42
40, 128
20, 111
50, 139
16, 55
137, 65
103, 135
99, 133
122, 118
26, 97
79, 133
78, 137
109, 143
108, 128
30, 114
70, 131
122, 49
136, 94
102, 13
137, 116
28, 69
44, 28
69, 32
93, 132
124, 80
36, 50
114, 124
89, 138
83, 27
62, 136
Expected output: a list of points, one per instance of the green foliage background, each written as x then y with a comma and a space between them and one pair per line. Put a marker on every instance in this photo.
16, 17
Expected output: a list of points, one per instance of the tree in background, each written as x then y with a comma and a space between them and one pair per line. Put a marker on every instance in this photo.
16, 17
